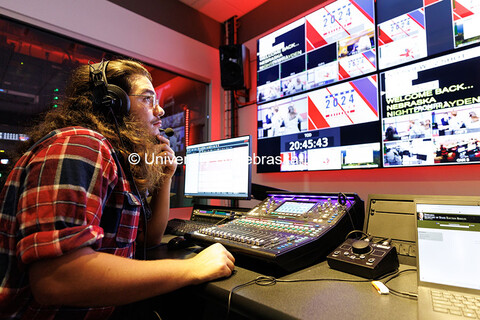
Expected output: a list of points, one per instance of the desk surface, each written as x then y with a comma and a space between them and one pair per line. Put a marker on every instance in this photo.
307, 300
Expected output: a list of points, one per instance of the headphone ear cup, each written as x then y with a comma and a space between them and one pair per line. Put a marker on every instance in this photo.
120, 100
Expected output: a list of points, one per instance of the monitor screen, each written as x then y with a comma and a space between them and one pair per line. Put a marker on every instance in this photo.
452, 228
431, 110
333, 43
335, 127
368, 84
414, 29
219, 169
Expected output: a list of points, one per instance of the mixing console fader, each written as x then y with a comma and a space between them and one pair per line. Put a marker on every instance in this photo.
288, 231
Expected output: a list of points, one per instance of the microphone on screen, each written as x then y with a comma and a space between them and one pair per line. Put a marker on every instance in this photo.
168, 131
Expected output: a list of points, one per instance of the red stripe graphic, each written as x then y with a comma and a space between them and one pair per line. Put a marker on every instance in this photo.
460, 12
383, 38
429, 2
314, 39
309, 46
342, 74
315, 118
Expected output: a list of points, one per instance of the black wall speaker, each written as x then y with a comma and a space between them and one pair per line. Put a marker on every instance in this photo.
234, 67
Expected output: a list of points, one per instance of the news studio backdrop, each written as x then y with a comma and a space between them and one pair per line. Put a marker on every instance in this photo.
365, 84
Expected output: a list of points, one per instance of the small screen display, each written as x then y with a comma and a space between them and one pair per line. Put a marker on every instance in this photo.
295, 208
219, 169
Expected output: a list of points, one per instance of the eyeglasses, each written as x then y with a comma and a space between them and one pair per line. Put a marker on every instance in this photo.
148, 99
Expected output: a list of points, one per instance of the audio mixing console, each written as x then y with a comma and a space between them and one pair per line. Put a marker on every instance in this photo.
288, 231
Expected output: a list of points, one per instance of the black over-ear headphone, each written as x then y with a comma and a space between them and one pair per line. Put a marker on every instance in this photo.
107, 96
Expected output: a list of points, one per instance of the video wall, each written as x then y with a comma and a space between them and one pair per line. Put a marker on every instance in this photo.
368, 84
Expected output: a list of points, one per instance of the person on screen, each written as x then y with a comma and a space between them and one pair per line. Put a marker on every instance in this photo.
289, 87
415, 130
426, 127
299, 86
474, 120
174, 142
293, 121
267, 122
278, 123
273, 92
443, 153
391, 134
454, 122
261, 96
393, 157
71, 212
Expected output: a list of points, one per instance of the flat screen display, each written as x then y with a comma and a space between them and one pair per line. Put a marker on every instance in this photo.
219, 169
414, 29
368, 84
430, 111
333, 43
335, 127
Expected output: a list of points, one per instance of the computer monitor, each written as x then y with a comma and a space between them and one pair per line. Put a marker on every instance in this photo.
219, 169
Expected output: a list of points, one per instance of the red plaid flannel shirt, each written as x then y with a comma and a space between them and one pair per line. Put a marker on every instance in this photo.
68, 191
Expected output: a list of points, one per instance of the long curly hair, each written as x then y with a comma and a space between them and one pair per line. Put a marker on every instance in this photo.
77, 109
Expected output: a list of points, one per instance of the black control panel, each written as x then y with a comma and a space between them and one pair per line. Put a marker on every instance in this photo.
364, 258
288, 231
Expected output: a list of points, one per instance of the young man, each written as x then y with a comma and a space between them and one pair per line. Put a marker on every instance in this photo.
71, 209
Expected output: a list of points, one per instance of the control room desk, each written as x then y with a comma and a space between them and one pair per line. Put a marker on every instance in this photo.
299, 300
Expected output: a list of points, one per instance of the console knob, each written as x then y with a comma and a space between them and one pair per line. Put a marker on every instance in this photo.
361, 246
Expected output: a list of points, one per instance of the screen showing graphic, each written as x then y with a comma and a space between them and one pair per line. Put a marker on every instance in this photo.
430, 111
414, 29
336, 127
448, 227
466, 22
367, 84
333, 43
219, 169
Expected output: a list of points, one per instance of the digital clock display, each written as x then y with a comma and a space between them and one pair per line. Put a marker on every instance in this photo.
308, 144
309, 140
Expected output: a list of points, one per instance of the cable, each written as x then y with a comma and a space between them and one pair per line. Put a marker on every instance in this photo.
401, 293
346, 209
270, 281
355, 231
230, 294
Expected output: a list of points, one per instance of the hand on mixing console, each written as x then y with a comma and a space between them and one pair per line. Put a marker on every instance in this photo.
212, 263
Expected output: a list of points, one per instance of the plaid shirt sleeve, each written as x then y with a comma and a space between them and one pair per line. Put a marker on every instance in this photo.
66, 185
